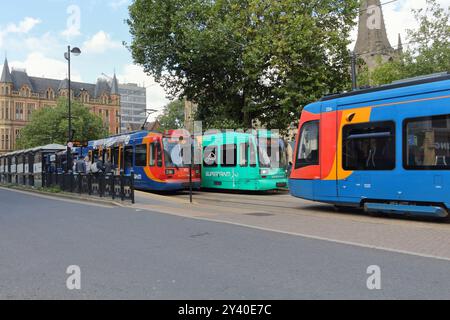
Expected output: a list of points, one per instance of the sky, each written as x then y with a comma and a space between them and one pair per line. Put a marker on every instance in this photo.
34, 35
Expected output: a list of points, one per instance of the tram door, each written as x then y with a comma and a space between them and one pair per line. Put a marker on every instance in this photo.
368, 153
128, 159
115, 159
326, 185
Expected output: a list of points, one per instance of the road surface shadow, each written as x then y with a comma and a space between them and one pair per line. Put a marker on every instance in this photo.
361, 212
245, 192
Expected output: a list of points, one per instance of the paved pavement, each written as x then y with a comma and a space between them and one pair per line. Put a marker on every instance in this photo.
133, 253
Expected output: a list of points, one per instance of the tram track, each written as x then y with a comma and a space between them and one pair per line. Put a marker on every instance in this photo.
260, 200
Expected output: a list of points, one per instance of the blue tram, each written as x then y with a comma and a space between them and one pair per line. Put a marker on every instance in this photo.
155, 159
383, 149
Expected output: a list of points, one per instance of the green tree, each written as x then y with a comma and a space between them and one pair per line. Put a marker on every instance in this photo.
172, 116
428, 49
51, 125
244, 59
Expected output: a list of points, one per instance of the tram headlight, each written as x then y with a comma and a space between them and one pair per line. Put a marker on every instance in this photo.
264, 172
170, 172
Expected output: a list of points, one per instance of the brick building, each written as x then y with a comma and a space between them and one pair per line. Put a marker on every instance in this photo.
21, 94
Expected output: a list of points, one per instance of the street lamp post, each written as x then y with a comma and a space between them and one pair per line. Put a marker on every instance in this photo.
76, 52
148, 112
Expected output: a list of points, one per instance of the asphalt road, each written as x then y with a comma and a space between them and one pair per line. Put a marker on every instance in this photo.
129, 254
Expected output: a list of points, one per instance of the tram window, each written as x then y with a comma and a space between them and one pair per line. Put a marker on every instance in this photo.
252, 152
427, 143
159, 159
115, 156
369, 146
141, 155
152, 156
308, 145
155, 154
95, 154
228, 155
210, 156
128, 157
243, 154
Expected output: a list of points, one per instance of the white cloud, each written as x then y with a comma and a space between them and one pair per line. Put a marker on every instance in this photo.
71, 32
24, 27
100, 43
116, 4
156, 96
38, 65
45, 43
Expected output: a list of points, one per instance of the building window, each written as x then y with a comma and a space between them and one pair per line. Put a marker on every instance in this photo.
50, 95
369, 146
308, 145
426, 143
30, 108
19, 110
25, 91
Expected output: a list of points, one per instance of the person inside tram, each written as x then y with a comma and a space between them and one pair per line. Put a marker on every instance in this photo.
108, 166
79, 166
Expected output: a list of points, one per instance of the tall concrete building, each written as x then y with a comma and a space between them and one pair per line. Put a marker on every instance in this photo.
373, 44
133, 106
21, 95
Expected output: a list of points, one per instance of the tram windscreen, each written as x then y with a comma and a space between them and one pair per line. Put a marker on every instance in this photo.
272, 153
173, 153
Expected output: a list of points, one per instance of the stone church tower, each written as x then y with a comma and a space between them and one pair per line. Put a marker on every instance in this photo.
373, 44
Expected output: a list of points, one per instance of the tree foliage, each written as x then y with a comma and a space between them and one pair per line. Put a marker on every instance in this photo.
244, 59
428, 49
172, 116
51, 125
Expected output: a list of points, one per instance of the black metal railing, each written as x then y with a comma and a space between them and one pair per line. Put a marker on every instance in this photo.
102, 185
120, 187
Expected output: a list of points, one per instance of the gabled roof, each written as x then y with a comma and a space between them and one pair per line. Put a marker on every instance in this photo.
101, 87
20, 78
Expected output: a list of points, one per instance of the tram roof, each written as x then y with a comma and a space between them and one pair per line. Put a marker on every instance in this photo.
394, 85
401, 88
48, 147
120, 138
